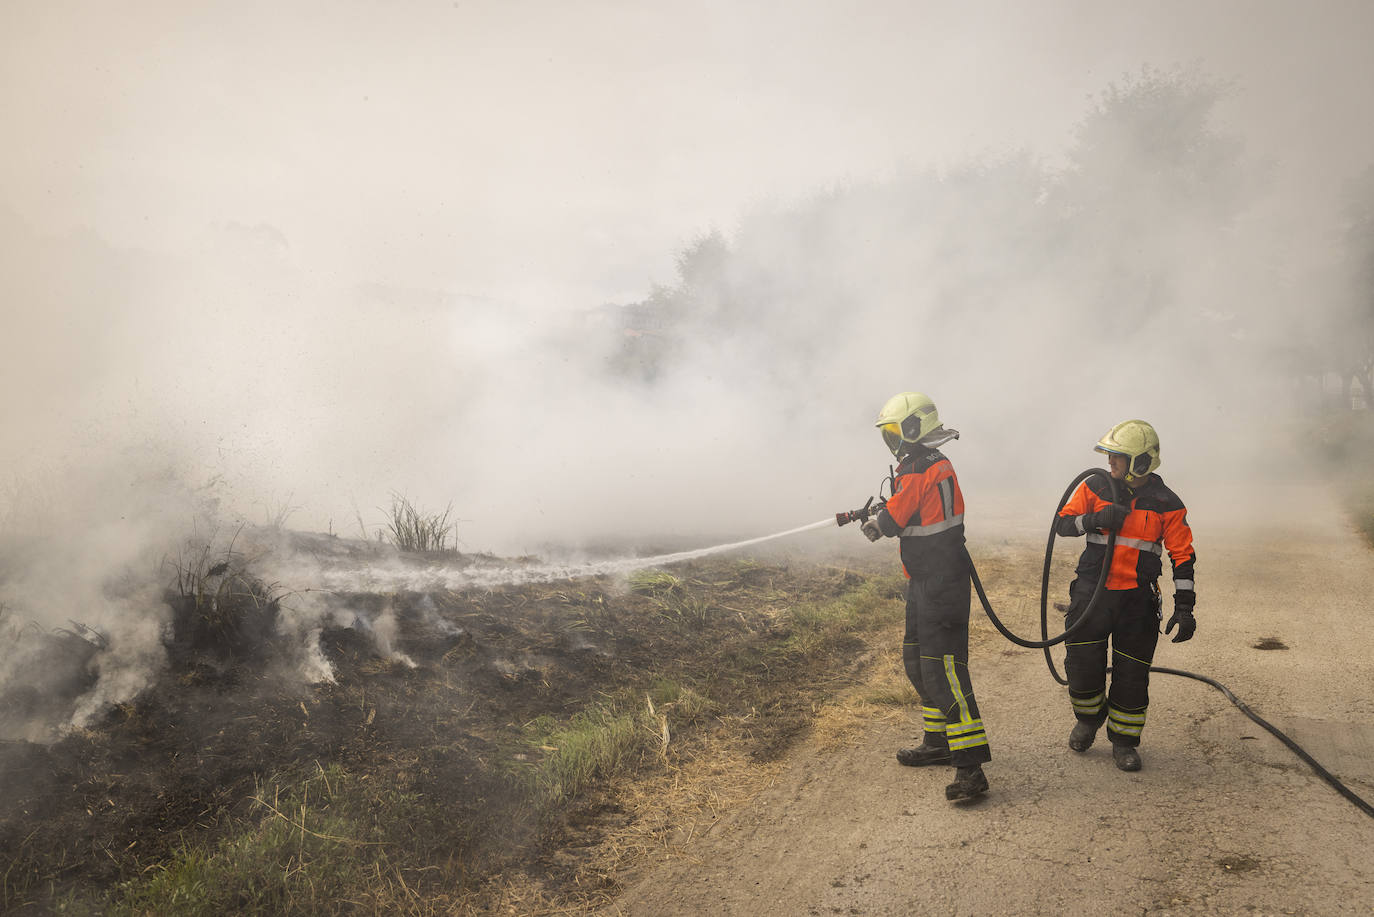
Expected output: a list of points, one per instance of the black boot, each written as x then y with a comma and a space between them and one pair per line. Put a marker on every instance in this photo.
1081, 739
1126, 757
968, 783
923, 754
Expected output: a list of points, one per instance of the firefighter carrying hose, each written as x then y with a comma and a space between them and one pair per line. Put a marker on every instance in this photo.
1153, 520
926, 513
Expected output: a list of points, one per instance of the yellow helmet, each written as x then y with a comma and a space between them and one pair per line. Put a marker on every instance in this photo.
907, 419
1138, 442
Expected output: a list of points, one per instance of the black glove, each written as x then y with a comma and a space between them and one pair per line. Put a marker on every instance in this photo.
1110, 518
871, 530
1183, 619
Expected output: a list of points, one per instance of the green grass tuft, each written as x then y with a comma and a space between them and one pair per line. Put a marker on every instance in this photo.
679, 702
654, 582
592, 745
813, 623
306, 847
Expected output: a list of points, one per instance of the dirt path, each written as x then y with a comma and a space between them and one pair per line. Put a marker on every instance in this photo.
1222, 820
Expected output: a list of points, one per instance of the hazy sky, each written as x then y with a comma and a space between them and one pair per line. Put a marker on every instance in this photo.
560, 153
192, 193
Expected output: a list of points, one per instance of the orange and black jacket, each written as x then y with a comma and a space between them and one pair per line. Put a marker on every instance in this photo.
1157, 522
927, 510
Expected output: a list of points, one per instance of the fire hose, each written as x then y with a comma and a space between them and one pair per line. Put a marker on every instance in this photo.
868, 509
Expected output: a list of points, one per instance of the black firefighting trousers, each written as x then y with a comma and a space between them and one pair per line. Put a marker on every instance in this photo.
935, 655
1129, 618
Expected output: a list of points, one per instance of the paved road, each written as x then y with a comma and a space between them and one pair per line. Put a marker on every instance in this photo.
1223, 819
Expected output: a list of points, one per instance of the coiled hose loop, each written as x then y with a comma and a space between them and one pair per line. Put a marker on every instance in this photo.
1045, 641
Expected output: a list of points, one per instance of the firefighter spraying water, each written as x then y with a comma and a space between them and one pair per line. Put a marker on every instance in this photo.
925, 512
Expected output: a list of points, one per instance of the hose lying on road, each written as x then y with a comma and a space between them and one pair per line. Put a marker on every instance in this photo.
1046, 642
1297, 749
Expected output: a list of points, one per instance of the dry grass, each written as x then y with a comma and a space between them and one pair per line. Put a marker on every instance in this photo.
699, 794
701, 781
699, 791
667, 810
413, 530
885, 695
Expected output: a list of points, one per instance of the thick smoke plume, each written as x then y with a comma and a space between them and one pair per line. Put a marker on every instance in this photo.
225, 326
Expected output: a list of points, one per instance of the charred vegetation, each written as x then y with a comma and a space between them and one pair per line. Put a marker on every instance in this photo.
461, 744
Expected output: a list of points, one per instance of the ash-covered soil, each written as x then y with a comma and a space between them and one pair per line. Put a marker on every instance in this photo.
432, 696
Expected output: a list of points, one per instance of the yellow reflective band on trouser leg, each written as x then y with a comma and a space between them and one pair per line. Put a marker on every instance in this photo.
1126, 724
966, 732
933, 719
966, 735
1088, 706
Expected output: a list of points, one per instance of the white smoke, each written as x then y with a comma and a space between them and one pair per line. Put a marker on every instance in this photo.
241, 293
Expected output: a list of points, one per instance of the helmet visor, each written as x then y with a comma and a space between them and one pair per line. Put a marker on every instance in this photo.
892, 435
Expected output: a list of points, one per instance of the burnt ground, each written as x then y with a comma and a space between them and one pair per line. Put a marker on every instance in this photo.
442, 739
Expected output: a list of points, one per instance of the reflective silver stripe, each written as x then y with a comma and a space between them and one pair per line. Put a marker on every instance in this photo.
1183, 585
1090, 706
1078, 524
1153, 547
1126, 724
946, 488
934, 528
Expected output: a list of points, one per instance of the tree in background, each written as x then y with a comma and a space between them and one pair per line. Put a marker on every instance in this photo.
1151, 188
651, 331
834, 275
992, 256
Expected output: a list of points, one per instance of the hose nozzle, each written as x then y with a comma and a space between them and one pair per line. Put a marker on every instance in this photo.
858, 515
